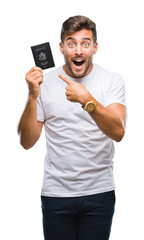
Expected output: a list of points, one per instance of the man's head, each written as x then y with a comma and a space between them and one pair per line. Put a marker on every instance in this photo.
78, 44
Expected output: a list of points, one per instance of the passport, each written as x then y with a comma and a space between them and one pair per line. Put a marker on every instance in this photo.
43, 55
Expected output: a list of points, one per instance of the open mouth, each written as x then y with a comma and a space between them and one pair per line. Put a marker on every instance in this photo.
78, 63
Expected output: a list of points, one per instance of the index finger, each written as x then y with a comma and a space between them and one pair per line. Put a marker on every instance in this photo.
65, 79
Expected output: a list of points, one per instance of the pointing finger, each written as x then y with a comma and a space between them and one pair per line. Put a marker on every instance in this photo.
65, 79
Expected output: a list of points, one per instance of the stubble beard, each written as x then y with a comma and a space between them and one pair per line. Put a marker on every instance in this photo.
79, 75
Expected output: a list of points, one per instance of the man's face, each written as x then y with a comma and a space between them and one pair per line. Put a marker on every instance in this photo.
78, 49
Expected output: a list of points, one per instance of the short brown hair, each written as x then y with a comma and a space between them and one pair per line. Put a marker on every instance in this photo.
77, 23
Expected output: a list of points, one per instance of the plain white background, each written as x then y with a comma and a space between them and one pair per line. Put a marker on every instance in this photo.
121, 49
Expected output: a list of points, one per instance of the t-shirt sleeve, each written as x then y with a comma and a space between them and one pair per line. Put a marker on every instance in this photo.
115, 92
40, 110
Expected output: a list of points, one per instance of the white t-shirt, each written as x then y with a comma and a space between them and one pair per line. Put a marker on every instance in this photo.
79, 159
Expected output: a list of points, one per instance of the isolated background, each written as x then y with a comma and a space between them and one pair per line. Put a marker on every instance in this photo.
121, 49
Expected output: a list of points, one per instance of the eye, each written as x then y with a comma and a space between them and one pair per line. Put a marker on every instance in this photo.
71, 44
85, 44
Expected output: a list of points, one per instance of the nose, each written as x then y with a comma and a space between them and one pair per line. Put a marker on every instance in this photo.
78, 50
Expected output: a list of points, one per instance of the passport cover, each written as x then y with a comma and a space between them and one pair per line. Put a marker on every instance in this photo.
43, 56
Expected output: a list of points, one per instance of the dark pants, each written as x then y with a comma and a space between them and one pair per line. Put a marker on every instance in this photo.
78, 218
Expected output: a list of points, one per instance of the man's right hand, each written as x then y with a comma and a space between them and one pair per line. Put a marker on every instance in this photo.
34, 79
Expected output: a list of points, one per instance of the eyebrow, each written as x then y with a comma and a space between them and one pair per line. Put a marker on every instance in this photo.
84, 38
69, 38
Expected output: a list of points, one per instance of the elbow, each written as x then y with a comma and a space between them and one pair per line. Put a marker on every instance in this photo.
119, 135
26, 142
22, 142
25, 145
118, 139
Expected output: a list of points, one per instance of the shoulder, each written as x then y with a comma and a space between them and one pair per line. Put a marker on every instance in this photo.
107, 77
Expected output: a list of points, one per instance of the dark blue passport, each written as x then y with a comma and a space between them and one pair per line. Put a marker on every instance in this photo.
43, 55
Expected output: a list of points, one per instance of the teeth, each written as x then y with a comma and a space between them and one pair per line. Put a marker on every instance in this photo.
78, 60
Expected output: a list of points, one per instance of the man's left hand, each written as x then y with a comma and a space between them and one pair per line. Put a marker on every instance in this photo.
76, 92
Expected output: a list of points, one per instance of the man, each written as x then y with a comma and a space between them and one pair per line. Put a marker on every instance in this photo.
82, 107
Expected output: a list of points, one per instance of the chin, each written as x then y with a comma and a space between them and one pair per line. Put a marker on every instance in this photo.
80, 74
76, 75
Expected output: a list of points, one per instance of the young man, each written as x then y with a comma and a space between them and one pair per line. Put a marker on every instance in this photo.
82, 107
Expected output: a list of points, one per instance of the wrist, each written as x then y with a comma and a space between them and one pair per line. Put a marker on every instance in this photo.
90, 106
87, 98
32, 97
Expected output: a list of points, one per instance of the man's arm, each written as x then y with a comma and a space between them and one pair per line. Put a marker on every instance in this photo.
29, 128
111, 120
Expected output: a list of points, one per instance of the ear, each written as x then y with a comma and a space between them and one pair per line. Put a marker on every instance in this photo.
95, 48
61, 47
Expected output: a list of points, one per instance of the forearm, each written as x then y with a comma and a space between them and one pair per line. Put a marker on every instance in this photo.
108, 122
28, 126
